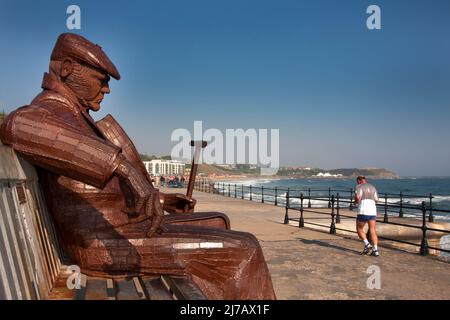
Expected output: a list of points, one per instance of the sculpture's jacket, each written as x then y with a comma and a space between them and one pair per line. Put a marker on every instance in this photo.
56, 133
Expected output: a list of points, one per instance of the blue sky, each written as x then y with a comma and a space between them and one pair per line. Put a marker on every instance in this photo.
341, 95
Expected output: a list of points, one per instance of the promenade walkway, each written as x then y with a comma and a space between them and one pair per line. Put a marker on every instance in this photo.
310, 264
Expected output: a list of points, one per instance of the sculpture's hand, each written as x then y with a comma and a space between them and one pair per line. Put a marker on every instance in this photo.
139, 187
178, 203
185, 202
157, 225
146, 198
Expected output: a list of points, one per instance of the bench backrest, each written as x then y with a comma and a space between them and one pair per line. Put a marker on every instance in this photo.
30, 256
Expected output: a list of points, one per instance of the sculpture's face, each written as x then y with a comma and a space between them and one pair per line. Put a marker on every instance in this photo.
89, 84
96, 88
92, 89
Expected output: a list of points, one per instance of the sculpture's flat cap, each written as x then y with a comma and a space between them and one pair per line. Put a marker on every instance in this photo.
70, 45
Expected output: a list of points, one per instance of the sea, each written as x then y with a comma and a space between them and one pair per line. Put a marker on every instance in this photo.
414, 190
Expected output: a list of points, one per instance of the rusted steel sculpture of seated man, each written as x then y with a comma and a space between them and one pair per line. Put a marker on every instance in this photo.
107, 212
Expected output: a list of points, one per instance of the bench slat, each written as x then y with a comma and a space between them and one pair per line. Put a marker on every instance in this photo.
126, 290
96, 289
139, 290
110, 289
156, 289
183, 288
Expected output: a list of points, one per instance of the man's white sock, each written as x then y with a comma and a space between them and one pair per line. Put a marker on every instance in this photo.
366, 242
375, 247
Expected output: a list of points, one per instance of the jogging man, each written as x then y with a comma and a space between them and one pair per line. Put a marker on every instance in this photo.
366, 196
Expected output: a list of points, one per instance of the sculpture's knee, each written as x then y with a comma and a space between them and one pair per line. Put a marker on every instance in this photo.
249, 243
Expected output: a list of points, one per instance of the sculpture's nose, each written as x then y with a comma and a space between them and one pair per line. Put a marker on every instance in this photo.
105, 89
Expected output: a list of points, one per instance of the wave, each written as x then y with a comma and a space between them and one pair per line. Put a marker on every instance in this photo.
296, 202
247, 183
417, 201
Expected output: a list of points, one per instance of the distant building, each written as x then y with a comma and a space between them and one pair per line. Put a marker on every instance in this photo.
328, 175
164, 167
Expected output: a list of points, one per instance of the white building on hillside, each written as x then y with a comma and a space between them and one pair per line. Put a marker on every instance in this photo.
328, 175
164, 167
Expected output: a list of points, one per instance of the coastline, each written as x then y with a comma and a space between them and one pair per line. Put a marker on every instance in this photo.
276, 177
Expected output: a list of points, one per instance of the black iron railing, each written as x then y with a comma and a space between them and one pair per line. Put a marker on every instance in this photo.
307, 199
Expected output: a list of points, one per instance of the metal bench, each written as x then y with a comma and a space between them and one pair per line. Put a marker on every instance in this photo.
32, 263
130, 288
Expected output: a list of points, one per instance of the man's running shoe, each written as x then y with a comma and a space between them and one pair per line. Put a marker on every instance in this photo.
375, 253
367, 249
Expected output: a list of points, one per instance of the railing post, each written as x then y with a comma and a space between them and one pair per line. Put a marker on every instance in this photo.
400, 213
276, 197
286, 215
251, 197
338, 216
235, 191
229, 190
351, 199
301, 221
329, 197
309, 197
430, 215
386, 217
333, 225
262, 194
242, 191
424, 244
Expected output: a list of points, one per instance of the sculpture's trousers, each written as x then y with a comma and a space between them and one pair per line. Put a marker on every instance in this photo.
224, 264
